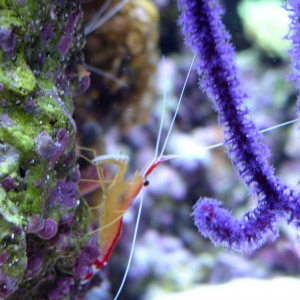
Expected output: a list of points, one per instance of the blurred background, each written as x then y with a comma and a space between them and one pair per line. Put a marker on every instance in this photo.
121, 111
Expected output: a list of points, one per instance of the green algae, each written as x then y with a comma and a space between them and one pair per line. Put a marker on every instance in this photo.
17, 77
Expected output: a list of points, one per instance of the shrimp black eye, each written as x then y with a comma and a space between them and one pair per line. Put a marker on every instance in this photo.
146, 182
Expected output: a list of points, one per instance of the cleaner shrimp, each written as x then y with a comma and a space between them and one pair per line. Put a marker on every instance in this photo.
112, 225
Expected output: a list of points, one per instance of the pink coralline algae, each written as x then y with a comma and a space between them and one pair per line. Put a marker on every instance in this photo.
65, 194
73, 18
47, 148
65, 44
86, 258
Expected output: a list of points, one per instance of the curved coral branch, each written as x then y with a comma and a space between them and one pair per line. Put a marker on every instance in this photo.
206, 35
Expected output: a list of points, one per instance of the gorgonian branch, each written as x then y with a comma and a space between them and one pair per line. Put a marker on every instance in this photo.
207, 37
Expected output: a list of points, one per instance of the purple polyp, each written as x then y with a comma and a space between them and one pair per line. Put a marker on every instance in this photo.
64, 45
4, 102
1, 86
36, 223
7, 40
65, 193
8, 183
49, 230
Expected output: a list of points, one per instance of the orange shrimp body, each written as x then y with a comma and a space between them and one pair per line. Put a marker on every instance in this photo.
117, 197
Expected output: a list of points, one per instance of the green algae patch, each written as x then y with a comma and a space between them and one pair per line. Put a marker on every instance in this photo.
17, 77
8, 18
12, 252
8, 209
9, 159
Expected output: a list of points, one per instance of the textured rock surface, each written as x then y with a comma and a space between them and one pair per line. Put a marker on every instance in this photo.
43, 218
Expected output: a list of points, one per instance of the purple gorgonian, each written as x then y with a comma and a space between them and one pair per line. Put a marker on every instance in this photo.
206, 35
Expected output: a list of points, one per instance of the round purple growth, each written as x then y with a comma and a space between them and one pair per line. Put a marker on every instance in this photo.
64, 45
7, 40
49, 230
65, 193
1, 86
36, 223
8, 183
4, 102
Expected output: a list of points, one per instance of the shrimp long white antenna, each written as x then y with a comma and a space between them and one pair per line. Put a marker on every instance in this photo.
186, 155
105, 18
106, 74
162, 117
278, 126
132, 246
160, 158
90, 27
177, 108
